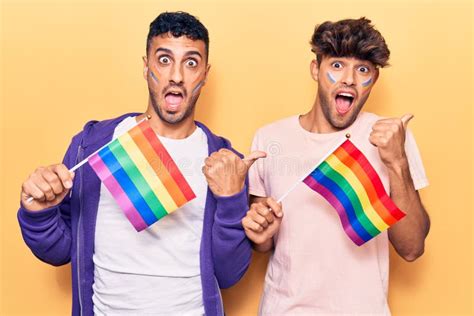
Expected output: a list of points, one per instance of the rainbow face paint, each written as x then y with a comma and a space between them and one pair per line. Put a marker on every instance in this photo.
197, 87
331, 77
152, 74
367, 82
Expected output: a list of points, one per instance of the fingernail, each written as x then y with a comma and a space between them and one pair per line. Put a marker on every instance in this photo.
68, 184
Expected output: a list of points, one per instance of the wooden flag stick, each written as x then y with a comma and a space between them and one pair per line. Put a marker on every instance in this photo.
80, 164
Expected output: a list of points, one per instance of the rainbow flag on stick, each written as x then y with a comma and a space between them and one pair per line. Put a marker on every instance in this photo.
347, 180
141, 176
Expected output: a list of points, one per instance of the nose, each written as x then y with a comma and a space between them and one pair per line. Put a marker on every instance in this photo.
177, 74
348, 77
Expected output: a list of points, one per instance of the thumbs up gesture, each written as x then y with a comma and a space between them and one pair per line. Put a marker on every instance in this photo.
388, 135
225, 172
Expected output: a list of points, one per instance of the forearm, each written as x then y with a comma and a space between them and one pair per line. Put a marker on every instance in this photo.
408, 235
231, 248
46, 234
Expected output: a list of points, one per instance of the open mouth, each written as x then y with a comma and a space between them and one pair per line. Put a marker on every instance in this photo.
174, 98
344, 101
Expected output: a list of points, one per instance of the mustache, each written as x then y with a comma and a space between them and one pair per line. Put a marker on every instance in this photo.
174, 85
182, 89
347, 88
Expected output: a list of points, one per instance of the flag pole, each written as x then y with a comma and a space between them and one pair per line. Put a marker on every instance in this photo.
347, 136
80, 164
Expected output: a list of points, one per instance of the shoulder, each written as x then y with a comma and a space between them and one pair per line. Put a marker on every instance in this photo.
278, 128
368, 117
216, 142
96, 131
105, 126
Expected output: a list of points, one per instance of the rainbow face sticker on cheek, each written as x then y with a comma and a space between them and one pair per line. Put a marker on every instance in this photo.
197, 87
367, 82
331, 77
152, 74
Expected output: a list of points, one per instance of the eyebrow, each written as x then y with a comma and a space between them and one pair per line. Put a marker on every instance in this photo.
193, 52
169, 51
161, 49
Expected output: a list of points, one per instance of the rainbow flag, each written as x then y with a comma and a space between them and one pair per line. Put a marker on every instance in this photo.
347, 180
141, 176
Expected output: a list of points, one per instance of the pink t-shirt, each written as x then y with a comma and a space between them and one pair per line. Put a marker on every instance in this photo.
315, 268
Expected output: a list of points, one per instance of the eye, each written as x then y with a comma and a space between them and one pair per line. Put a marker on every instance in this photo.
164, 60
336, 65
364, 69
191, 63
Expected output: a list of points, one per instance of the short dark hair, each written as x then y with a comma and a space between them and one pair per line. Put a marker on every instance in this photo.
178, 24
350, 38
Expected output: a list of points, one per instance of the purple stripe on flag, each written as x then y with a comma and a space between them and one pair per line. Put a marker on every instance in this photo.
116, 190
314, 185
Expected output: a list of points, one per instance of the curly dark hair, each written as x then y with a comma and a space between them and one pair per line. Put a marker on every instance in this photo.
350, 38
178, 24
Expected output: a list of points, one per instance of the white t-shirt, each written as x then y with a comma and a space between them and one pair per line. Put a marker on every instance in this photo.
155, 271
315, 268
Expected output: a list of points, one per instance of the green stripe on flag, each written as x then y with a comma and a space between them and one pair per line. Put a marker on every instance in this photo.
137, 178
335, 176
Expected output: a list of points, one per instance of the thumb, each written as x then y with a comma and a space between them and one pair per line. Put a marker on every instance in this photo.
253, 156
405, 119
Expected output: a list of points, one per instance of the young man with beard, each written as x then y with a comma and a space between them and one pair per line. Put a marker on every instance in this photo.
177, 265
315, 269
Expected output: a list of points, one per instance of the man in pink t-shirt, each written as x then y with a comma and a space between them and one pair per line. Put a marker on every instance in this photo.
315, 269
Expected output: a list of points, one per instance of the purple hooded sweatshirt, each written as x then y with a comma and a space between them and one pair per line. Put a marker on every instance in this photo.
65, 233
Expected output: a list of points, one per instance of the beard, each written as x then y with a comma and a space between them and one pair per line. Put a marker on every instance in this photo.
172, 118
337, 121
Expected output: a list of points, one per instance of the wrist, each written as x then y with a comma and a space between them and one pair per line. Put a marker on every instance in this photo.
229, 192
37, 214
398, 166
231, 209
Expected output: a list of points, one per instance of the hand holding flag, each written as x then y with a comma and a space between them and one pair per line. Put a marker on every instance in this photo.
263, 221
136, 169
347, 180
46, 187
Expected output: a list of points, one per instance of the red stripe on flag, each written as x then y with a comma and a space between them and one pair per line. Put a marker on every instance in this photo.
373, 176
362, 176
167, 161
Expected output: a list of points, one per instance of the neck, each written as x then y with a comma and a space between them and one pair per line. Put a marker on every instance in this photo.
315, 121
175, 131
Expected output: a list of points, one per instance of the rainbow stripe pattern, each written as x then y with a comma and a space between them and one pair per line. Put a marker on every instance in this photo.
141, 175
347, 180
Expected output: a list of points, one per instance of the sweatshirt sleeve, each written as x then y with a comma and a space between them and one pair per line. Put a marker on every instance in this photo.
231, 249
48, 232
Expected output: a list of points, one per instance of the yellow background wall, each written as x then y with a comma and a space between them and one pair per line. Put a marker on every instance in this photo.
66, 62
